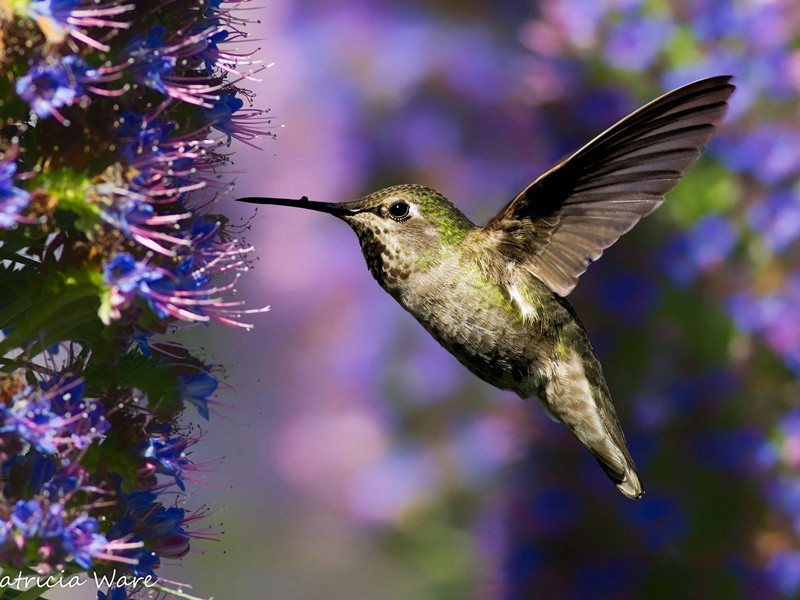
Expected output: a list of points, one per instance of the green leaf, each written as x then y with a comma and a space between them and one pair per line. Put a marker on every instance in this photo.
682, 48
158, 381
51, 308
707, 188
71, 189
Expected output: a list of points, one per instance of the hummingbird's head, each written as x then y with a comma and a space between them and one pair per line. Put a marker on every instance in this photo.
414, 214
400, 228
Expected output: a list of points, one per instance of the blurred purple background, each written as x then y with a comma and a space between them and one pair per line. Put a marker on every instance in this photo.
361, 460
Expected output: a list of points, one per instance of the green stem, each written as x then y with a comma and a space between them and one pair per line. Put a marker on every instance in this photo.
176, 593
32, 593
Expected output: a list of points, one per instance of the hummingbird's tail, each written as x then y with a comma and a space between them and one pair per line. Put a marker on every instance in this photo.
576, 395
627, 479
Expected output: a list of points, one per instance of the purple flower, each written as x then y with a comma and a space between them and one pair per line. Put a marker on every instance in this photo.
80, 538
634, 43
123, 173
30, 418
769, 152
5, 529
137, 218
711, 21
128, 278
13, 200
140, 134
66, 481
142, 339
74, 19
784, 567
708, 244
773, 316
84, 420
211, 54
163, 521
58, 10
118, 593
220, 115
146, 562
151, 64
196, 388
162, 527
27, 516
156, 63
777, 218
42, 470
788, 495
166, 455
185, 293
49, 86
52, 523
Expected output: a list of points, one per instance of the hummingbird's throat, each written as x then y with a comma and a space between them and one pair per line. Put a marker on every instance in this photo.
327, 207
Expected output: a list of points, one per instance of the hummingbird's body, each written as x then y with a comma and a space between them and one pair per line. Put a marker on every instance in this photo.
499, 321
493, 296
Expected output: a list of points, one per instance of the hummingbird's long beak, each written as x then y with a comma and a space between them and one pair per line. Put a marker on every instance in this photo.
327, 207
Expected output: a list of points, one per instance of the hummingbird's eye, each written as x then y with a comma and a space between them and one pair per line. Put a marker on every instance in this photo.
399, 210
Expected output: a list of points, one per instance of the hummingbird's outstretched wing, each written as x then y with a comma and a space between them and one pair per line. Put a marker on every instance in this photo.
564, 220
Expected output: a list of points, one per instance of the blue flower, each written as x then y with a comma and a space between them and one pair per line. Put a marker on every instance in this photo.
52, 523
203, 234
42, 470
75, 22
146, 562
142, 339
27, 516
13, 200
225, 114
118, 593
5, 529
784, 567
634, 44
58, 10
30, 418
189, 277
151, 63
220, 115
80, 538
49, 86
65, 481
166, 455
708, 244
777, 218
157, 65
774, 316
768, 152
196, 388
141, 135
211, 51
136, 500
164, 521
128, 211
129, 278
83, 420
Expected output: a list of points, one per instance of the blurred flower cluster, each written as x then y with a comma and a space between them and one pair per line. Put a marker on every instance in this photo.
114, 119
711, 391
693, 313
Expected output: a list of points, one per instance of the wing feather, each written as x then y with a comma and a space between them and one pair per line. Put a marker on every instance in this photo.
564, 220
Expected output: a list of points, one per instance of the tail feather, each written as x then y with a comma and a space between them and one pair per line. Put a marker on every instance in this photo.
577, 396
627, 480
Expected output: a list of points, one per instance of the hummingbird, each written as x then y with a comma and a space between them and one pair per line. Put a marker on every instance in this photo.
495, 296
